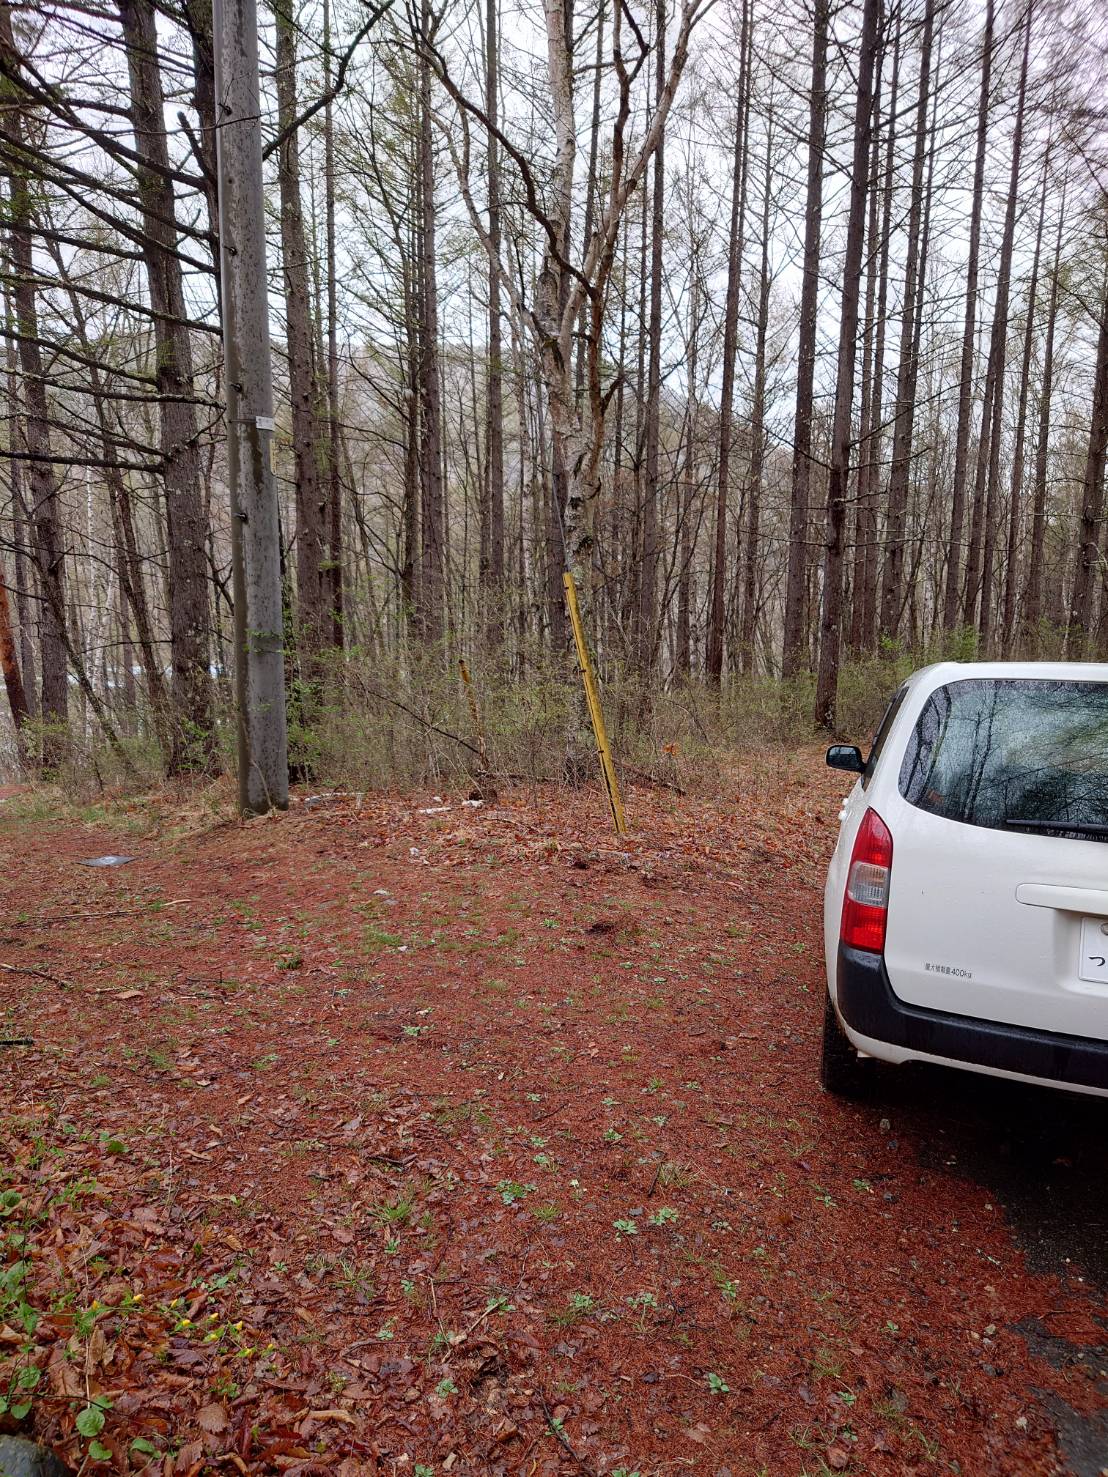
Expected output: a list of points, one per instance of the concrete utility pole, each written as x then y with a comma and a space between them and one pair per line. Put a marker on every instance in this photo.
255, 541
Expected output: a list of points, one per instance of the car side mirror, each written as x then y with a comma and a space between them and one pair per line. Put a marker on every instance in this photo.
846, 756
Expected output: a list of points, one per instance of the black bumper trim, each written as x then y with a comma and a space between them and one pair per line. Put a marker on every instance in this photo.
868, 1005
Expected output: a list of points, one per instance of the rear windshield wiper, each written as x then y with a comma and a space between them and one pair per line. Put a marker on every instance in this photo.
1058, 828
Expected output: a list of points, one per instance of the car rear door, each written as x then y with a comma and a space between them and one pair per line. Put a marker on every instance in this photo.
989, 916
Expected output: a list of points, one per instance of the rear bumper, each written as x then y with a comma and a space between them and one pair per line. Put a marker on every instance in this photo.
868, 1005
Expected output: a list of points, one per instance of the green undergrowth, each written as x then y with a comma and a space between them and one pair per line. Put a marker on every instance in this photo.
407, 722
390, 726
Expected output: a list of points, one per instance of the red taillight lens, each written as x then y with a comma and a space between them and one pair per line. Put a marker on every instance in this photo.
866, 903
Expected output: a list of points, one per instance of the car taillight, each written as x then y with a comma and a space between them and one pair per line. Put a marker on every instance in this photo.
866, 903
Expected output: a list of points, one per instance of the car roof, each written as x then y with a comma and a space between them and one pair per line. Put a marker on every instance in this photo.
941, 672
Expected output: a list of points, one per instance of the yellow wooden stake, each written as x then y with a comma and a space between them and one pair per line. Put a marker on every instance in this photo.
596, 712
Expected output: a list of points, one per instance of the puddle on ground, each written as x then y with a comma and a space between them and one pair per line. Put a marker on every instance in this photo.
1082, 1439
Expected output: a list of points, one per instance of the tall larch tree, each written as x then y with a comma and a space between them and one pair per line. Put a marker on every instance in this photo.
192, 742
838, 482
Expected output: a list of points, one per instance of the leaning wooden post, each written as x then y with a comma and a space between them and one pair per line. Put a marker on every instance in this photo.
263, 777
596, 712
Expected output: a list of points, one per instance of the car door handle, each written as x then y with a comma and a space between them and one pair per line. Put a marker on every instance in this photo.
1065, 899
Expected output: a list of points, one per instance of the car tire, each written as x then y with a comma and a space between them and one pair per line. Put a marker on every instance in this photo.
842, 1071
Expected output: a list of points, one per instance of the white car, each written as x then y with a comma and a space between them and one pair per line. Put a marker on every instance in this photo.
966, 907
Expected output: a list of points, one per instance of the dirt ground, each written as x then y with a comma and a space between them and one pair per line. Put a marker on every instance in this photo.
408, 1136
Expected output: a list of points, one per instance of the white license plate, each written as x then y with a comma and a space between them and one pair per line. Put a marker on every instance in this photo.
1094, 950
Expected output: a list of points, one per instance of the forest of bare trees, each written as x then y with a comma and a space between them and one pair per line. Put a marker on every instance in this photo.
784, 329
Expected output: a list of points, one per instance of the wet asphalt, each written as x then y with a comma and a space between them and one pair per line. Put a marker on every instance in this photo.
1043, 1156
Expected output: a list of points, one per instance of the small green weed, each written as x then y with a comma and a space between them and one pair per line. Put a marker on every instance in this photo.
664, 1216
511, 1190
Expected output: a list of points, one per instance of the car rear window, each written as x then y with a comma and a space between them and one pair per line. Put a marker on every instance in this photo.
896, 702
1013, 753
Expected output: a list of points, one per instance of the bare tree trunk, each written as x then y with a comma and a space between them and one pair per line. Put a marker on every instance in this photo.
548, 518
256, 545
1010, 630
618, 473
197, 17
683, 644
45, 511
997, 352
633, 536
21, 570
864, 512
314, 623
22, 573
569, 514
411, 559
910, 597
192, 743
334, 426
871, 456
796, 578
839, 477
972, 581
892, 581
592, 184
717, 611
432, 612
965, 385
129, 691
526, 494
648, 582
752, 552
492, 522
1033, 599
134, 590
1092, 502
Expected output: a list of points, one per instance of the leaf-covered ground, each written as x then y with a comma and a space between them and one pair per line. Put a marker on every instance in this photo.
410, 1136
